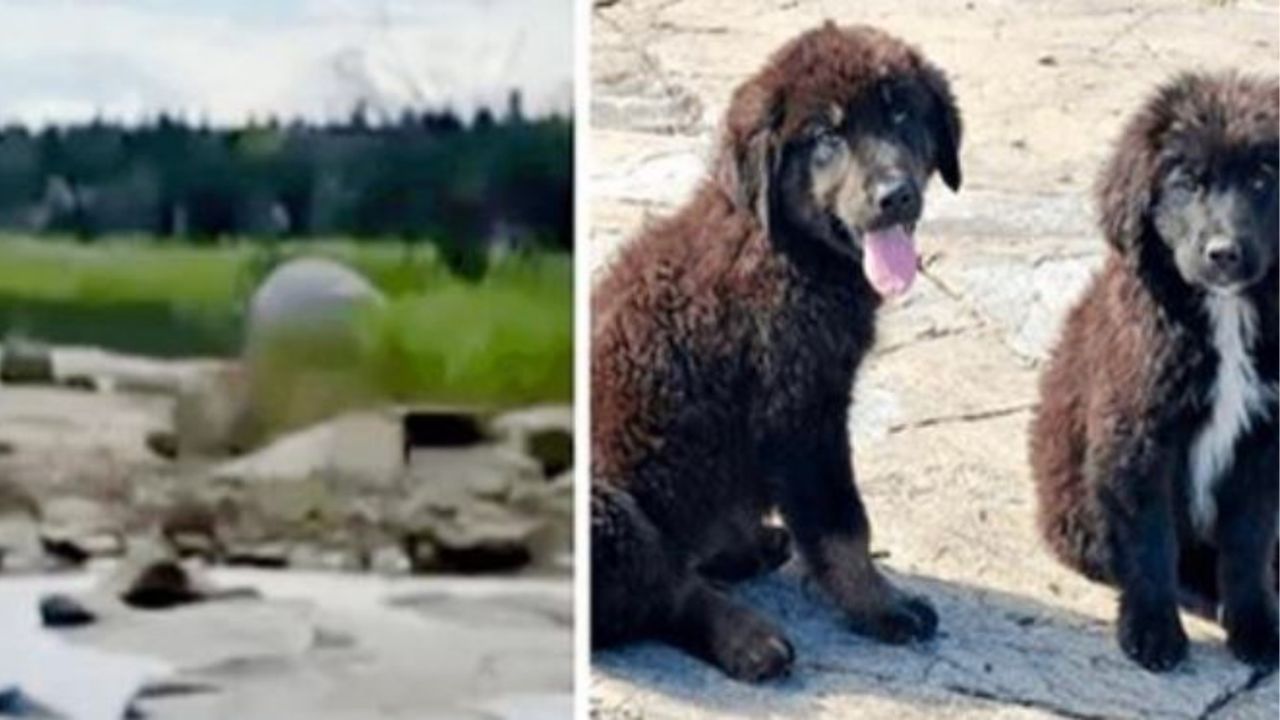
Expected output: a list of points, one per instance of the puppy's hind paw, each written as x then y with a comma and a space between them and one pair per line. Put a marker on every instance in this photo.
907, 618
756, 654
1254, 639
1155, 641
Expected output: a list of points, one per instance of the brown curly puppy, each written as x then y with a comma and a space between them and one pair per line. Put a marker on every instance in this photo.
724, 345
1155, 447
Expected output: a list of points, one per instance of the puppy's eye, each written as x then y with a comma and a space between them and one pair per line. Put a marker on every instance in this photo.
1263, 179
826, 148
896, 111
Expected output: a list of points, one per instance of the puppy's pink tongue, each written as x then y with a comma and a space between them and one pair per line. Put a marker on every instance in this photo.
889, 260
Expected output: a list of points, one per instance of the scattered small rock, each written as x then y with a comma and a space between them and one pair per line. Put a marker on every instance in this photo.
66, 552
482, 538
553, 448
421, 554
486, 556
26, 362
160, 585
440, 429
191, 529
13, 703
259, 555
155, 580
163, 443
195, 544
83, 383
78, 528
63, 611
544, 433
1047, 61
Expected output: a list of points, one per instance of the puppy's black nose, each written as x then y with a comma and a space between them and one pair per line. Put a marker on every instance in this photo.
1223, 254
898, 199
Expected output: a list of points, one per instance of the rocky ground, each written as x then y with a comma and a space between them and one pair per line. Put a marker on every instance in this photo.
390, 562
314, 645
942, 408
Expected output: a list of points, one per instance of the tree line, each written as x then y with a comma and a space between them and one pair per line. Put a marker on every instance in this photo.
426, 176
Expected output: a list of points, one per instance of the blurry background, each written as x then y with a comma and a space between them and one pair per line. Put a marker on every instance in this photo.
159, 159
286, 346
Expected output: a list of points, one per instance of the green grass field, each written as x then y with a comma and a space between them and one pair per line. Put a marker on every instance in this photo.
503, 340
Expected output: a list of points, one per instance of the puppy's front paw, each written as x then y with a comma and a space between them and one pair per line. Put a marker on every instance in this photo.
754, 653
905, 618
1152, 638
775, 547
1253, 636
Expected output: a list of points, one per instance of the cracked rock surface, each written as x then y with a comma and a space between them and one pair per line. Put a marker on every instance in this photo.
315, 645
390, 489
386, 495
942, 406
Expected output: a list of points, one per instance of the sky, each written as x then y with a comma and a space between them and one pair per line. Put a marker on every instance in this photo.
226, 61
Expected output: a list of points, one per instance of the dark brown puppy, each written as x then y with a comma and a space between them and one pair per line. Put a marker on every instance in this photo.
1154, 450
724, 345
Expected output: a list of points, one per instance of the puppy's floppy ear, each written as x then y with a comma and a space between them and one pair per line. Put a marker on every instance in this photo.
944, 125
1125, 189
749, 150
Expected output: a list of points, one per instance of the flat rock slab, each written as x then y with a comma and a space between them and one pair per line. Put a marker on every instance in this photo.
1019, 636
365, 448
1023, 289
942, 406
56, 421
993, 649
399, 649
1042, 91
130, 373
331, 646
207, 634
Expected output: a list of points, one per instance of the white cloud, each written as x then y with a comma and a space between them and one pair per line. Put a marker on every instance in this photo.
65, 60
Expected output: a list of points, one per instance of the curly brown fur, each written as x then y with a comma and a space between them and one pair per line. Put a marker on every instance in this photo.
724, 345
1155, 447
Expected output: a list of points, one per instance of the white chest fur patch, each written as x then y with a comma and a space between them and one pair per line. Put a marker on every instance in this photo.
1237, 397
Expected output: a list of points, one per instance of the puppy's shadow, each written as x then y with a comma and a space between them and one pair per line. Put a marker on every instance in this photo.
993, 648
